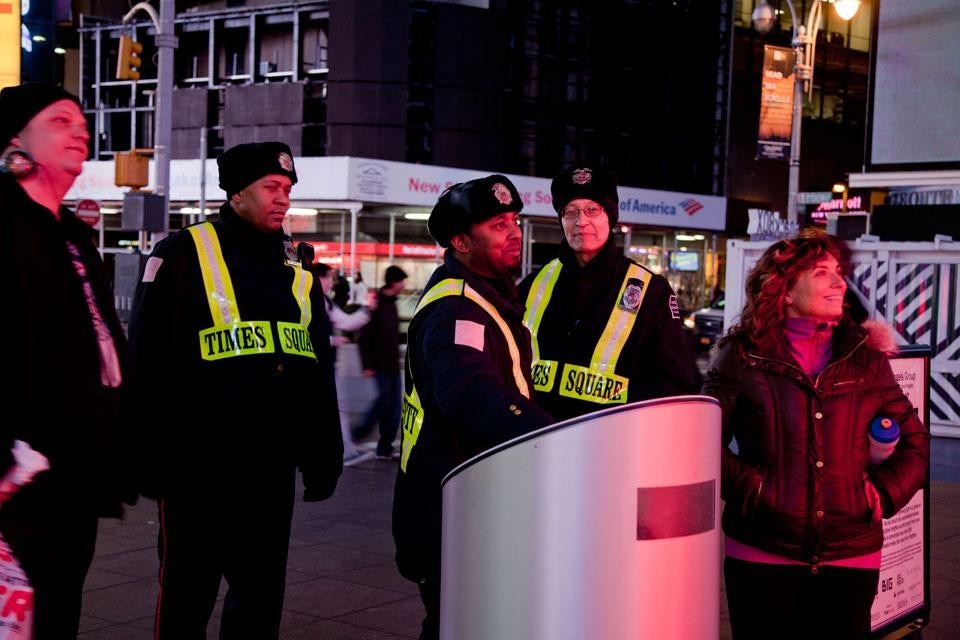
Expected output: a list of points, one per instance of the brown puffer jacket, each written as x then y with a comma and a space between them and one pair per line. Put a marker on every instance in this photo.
795, 485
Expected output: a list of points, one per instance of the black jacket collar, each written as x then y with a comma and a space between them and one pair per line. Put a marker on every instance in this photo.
500, 292
605, 262
245, 233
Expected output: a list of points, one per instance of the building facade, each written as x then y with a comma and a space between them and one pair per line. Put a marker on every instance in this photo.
665, 94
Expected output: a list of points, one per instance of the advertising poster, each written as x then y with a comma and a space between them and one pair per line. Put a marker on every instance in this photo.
902, 597
776, 104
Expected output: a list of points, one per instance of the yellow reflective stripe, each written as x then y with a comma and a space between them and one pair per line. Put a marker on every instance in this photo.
295, 339
619, 324
592, 386
544, 373
411, 421
518, 376
541, 290
302, 283
454, 287
236, 339
216, 278
448, 287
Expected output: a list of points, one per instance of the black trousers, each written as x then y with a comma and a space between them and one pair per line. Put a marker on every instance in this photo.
790, 602
241, 534
383, 411
55, 551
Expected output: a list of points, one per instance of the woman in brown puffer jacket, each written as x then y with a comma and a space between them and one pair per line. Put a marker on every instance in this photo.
799, 383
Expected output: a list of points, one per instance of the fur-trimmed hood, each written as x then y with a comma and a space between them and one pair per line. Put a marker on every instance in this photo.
881, 336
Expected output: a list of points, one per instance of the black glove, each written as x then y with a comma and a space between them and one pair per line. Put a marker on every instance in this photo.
318, 484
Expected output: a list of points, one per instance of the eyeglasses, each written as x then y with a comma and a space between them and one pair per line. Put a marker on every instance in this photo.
571, 213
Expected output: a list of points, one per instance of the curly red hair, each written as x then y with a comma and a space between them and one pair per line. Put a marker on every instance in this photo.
778, 269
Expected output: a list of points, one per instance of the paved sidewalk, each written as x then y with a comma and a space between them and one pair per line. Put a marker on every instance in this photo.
342, 583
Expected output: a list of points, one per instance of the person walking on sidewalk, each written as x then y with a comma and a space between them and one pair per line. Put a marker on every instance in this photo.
65, 366
232, 340
342, 322
358, 291
379, 344
467, 377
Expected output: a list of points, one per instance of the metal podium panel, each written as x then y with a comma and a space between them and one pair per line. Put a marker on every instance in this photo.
603, 526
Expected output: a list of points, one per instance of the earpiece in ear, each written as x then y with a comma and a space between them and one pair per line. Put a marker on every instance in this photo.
18, 163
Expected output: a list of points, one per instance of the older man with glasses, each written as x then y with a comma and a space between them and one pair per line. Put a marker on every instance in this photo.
605, 330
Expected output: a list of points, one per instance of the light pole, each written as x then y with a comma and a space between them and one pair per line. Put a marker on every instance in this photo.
804, 48
166, 43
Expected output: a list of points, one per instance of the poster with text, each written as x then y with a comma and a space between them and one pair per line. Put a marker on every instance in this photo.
901, 590
776, 104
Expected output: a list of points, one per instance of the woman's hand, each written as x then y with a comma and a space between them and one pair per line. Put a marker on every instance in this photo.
873, 499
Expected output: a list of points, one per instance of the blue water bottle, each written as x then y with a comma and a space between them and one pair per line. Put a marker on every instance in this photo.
884, 435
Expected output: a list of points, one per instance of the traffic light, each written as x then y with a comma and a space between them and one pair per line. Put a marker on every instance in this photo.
131, 168
128, 59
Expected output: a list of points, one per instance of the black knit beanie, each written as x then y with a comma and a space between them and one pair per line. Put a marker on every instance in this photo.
19, 104
244, 164
598, 185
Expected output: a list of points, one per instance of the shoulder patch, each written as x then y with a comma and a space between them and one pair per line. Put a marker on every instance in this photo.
674, 307
469, 334
151, 268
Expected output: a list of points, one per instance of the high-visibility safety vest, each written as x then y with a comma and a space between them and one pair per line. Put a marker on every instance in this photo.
230, 336
411, 414
597, 382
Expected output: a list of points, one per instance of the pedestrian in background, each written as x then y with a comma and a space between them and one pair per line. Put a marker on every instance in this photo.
379, 344
341, 291
799, 382
358, 290
66, 379
467, 377
232, 340
595, 314
342, 322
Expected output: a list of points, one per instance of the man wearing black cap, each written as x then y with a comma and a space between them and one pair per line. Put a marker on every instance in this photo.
64, 359
379, 346
605, 329
232, 345
467, 379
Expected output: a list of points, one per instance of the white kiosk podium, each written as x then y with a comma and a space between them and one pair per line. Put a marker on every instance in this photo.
603, 526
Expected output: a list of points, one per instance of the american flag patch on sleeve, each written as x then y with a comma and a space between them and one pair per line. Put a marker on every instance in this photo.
469, 334
151, 268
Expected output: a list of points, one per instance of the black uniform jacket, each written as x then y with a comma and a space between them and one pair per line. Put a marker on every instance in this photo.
795, 487
656, 358
470, 403
52, 396
213, 422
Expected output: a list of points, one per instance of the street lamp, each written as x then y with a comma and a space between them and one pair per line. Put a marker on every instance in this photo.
804, 48
840, 188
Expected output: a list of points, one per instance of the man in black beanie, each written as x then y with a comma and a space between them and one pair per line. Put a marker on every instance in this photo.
467, 380
595, 315
64, 361
232, 343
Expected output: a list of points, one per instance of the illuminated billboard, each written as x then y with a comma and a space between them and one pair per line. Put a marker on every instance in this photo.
9, 43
